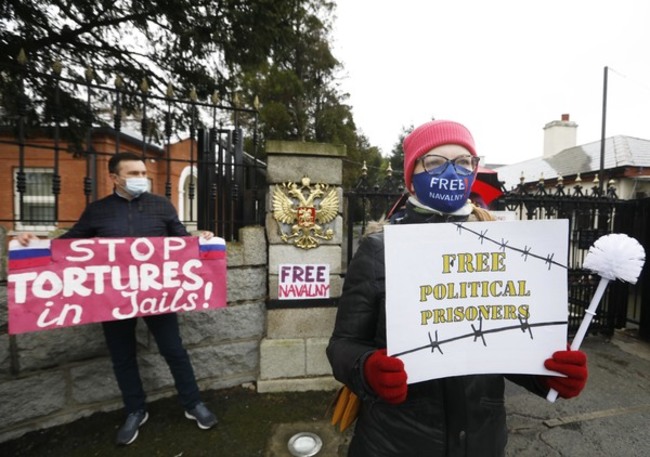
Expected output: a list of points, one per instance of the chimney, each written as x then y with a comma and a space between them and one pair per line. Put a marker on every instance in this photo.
559, 135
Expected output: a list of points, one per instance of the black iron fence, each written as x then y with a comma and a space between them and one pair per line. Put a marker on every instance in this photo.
222, 191
368, 201
591, 213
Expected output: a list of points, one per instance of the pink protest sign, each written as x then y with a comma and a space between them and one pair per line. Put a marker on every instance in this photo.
61, 283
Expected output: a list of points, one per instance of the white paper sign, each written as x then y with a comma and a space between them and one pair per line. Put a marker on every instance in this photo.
476, 297
305, 281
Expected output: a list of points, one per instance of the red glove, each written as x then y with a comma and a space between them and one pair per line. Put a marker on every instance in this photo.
386, 376
574, 365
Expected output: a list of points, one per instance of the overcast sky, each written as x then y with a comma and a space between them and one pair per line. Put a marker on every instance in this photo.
504, 68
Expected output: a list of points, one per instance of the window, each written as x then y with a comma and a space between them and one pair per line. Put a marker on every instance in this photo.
187, 208
38, 208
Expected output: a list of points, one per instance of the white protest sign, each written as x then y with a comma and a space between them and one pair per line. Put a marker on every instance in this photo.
303, 281
476, 297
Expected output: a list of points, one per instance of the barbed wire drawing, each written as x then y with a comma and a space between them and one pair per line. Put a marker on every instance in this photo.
503, 244
478, 333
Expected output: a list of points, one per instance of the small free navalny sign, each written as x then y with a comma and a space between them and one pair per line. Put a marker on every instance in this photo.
303, 281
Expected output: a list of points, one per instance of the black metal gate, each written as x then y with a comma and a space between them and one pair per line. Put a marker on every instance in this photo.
590, 217
226, 185
228, 196
367, 202
633, 219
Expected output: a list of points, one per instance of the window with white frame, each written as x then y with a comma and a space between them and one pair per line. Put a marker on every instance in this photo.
38, 208
187, 209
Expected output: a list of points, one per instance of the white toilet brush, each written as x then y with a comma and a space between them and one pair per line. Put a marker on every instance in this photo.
614, 256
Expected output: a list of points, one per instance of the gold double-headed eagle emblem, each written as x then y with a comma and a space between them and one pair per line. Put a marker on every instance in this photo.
306, 209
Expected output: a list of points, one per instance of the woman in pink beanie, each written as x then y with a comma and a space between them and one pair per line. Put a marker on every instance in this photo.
455, 416
440, 165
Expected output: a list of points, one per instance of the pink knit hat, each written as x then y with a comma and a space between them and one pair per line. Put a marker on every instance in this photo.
431, 135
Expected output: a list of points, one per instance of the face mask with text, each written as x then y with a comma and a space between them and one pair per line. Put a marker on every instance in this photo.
446, 192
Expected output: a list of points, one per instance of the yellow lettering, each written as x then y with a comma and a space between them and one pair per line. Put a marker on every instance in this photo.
498, 259
524, 311
439, 291
451, 291
474, 263
472, 313
522, 289
424, 291
465, 263
493, 288
481, 261
485, 289
463, 290
509, 312
447, 261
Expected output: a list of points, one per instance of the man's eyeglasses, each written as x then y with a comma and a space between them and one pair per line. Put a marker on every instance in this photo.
436, 165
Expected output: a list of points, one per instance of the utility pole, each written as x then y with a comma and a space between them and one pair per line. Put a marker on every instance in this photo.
601, 172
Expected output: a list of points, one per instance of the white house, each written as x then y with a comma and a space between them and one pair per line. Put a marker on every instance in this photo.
626, 163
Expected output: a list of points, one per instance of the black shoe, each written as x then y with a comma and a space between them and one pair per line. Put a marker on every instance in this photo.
129, 431
202, 415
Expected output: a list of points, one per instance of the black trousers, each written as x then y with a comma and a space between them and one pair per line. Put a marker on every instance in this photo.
122, 345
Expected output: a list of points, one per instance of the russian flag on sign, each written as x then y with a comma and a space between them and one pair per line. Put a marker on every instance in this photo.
212, 249
37, 254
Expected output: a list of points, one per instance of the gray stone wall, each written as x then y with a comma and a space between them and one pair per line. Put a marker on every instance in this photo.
292, 353
57, 376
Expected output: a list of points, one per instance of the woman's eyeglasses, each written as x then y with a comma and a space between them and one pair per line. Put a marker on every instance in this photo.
436, 165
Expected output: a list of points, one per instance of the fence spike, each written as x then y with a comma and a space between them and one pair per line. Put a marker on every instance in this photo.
22, 57
57, 67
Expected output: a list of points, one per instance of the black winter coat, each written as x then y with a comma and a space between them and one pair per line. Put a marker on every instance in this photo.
450, 417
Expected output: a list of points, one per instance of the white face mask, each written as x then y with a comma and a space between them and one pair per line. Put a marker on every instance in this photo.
136, 186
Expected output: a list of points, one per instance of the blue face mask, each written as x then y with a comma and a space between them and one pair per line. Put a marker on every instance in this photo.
446, 192
136, 186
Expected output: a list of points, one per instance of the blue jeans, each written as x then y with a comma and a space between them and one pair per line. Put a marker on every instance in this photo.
122, 345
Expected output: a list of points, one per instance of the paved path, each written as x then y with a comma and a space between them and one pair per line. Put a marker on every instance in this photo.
610, 418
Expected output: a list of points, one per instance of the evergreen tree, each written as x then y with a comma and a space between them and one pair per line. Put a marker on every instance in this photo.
298, 93
182, 44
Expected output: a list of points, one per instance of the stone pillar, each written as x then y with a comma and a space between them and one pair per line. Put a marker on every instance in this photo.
292, 355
